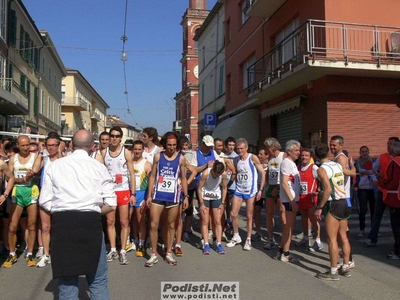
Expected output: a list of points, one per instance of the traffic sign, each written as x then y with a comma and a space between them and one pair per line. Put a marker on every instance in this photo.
210, 121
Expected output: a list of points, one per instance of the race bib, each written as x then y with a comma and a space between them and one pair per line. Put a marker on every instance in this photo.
166, 184
303, 188
22, 174
273, 177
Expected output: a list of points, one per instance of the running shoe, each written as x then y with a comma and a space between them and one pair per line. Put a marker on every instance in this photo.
361, 233
247, 245
303, 243
370, 243
201, 244
256, 237
328, 276
207, 249
11, 259
220, 249
112, 255
270, 245
170, 260
345, 272
178, 251
318, 246
31, 262
140, 251
392, 256
152, 260
130, 247
122, 258
39, 253
352, 264
278, 255
288, 258
224, 238
44, 260
186, 237
234, 241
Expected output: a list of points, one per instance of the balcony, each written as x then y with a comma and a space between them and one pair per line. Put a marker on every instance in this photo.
95, 116
69, 131
262, 8
13, 100
319, 48
74, 102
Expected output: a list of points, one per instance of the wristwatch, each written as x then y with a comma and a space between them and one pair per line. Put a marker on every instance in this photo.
133, 194
318, 207
5, 196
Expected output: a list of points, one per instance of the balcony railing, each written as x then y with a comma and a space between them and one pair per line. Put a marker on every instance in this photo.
95, 116
69, 131
328, 41
75, 101
11, 86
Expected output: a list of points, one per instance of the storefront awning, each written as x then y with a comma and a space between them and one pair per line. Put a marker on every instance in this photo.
243, 125
281, 107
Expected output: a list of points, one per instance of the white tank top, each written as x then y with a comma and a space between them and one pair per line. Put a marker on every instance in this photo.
118, 169
20, 169
140, 175
246, 176
150, 155
336, 178
211, 189
274, 167
347, 179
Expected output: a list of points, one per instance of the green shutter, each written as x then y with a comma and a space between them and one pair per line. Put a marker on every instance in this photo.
28, 93
22, 82
36, 101
21, 40
27, 51
13, 27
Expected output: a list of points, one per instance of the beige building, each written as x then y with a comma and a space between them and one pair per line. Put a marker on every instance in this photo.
82, 106
34, 76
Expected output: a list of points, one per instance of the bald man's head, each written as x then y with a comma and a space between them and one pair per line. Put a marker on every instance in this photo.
83, 139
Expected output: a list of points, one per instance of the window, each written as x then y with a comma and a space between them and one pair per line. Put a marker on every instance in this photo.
63, 93
36, 59
243, 11
288, 49
228, 31
27, 50
3, 19
49, 108
2, 66
228, 87
13, 27
35, 100
21, 40
248, 71
43, 65
221, 80
55, 81
42, 103
22, 82
50, 74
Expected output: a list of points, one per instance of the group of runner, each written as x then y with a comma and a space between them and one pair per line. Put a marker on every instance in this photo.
156, 182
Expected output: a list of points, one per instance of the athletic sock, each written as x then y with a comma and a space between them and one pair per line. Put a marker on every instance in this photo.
318, 240
12, 253
28, 253
333, 270
309, 232
114, 249
123, 251
178, 245
345, 267
141, 242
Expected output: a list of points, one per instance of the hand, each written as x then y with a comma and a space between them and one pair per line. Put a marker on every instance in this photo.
185, 204
2, 199
317, 214
258, 196
294, 205
210, 164
202, 209
149, 200
132, 200
142, 206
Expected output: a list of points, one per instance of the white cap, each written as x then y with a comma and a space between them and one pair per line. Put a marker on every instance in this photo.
208, 140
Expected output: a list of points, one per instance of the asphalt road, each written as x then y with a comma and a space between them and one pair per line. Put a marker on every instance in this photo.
258, 274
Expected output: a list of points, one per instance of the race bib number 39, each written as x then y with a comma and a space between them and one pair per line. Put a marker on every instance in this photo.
166, 184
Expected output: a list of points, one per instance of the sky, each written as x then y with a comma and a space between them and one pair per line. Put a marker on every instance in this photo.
87, 35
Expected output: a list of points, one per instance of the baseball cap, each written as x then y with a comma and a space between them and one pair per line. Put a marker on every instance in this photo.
208, 140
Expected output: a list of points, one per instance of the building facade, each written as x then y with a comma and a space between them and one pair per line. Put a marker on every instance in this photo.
187, 100
312, 69
211, 62
82, 106
129, 132
31, 76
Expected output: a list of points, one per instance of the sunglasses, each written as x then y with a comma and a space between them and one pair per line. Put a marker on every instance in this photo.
115, 135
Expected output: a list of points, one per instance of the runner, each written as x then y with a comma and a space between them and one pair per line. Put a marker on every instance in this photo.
118, 161
246, 166
212, 192
104, 140
308, 200
24, 194
333, 202
164, 193
273, 148
150, 139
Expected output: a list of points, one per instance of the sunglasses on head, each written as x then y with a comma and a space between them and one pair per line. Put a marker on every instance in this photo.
115, 135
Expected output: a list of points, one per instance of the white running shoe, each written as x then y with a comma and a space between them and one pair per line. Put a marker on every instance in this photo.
122, 258
247, 245
112, 255
234, 241
40, 252
152, 261
44, 260
170, 259
130, 247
